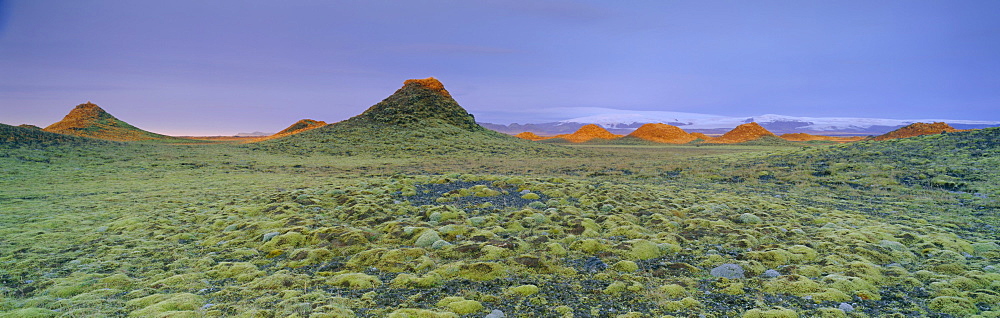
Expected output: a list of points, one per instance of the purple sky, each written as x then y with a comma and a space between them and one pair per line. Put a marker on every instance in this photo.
211, 67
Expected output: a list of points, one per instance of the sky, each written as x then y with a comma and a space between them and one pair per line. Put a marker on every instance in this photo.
214, 67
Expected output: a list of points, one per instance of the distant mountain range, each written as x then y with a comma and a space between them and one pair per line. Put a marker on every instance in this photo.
624, 122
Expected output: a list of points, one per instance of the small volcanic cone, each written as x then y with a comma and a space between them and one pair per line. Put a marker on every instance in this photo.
529, 136
742, 133
917, 129
89, 120
298, 127
419, 119
589, 132
663, 133
418, 102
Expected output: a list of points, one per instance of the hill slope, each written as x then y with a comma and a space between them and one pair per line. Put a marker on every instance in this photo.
418, 119
89, 120
298, 127
586, 133
663, 133
917, 129
14, 137
742, 133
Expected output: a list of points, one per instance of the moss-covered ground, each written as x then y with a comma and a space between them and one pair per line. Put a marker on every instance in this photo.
903, 228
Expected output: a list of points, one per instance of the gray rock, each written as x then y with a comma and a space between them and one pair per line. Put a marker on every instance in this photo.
496, 314
594, 264
846, 307
771, 273
269, 236
731, 271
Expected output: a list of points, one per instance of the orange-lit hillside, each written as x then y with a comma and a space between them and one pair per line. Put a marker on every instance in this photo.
89, 120
530, 136
917, 129
298, 127
430, 83
742, 133
589, 132
663, 133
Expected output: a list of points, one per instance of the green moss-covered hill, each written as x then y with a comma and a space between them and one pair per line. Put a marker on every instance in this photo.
15, 136
90, 120
420, 118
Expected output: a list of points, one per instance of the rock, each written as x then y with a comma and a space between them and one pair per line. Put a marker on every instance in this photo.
846, 307
594, 264
731, 271
771, 273
440, 244
269, 236
495, 314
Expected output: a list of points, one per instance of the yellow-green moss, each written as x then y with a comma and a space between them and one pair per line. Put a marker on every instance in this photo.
776, 312
771, 258
420, 313
642, 249
683, 304
802, 253
523, 290
280, 280
161, 305
183, 281
589, 246
625, 266
791, 284
831, 313
29, 313
355, 281
853, 286
481, 271
830, 294
673, 290
615, 288
460, 305
959, 306
409, 281
72, 285
240, 271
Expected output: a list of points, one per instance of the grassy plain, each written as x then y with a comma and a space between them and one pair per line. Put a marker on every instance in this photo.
902, 228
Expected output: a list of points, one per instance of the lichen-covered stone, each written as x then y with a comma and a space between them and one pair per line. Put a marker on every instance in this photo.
730, 271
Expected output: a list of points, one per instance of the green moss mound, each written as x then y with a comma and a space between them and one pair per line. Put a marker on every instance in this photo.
418, 119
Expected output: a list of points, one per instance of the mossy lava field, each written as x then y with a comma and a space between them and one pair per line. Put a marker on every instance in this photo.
897, 228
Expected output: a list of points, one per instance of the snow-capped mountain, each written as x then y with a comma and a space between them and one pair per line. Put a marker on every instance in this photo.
625, 121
